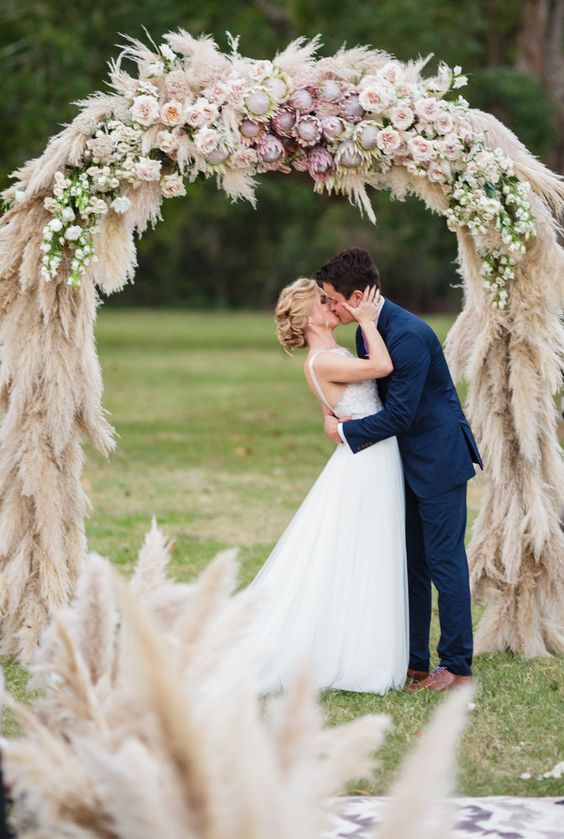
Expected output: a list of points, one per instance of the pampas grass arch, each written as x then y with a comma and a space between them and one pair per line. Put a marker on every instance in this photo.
352, 120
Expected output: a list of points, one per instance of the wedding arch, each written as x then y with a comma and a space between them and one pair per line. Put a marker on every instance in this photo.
354, 120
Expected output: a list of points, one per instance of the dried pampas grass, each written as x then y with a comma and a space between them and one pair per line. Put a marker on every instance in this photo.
51, 385
128, 740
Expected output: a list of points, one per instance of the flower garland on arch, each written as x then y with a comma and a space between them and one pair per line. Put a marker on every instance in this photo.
245, 117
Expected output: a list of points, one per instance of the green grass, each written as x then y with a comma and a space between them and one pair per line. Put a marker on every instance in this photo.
221, 439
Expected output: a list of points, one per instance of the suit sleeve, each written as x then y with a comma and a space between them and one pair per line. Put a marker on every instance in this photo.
411, 361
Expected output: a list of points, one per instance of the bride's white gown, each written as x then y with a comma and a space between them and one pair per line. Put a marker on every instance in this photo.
333, 591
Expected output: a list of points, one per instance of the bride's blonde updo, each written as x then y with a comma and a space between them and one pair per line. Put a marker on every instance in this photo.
293, 310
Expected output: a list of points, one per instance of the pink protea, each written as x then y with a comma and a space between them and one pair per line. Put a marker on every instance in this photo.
351, 108
320, 164
303, 100
300, 162
329, 90
283, 121
270, 149
307, 131
252, 132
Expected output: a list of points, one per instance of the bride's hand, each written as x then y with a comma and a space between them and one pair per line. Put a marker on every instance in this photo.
367, 309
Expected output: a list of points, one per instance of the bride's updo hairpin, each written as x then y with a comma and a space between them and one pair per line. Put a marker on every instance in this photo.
293, 310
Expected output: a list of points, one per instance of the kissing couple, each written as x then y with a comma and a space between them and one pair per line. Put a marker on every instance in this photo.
348, 585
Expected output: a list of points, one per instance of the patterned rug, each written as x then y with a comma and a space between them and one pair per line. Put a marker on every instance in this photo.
356, 817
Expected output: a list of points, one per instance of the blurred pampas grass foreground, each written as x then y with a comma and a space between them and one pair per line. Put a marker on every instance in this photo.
123, 742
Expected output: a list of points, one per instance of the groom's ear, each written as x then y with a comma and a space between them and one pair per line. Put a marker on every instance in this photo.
355, 298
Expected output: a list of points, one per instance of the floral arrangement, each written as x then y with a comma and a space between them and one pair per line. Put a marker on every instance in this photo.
346, 131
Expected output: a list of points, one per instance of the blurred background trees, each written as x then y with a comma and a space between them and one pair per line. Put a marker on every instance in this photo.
210, 253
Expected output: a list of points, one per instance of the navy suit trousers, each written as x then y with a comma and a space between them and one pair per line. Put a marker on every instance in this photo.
435, 529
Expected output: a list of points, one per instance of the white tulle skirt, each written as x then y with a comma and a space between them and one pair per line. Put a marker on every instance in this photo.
333, 592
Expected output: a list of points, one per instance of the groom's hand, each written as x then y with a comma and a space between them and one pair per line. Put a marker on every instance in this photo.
331, 427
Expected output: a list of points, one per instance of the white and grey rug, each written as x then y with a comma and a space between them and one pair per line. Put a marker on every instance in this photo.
357, 817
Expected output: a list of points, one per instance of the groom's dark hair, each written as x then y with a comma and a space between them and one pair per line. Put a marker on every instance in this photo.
349, 271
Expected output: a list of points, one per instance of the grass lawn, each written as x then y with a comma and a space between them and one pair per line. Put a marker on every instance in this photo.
221, 439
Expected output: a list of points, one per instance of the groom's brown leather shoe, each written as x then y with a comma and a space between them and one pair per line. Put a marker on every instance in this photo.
439, 679
414, 677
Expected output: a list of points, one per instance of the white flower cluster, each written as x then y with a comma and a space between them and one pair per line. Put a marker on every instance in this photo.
80, 198
486, 196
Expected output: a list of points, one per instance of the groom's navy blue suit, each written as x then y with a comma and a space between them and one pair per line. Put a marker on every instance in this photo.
422, 409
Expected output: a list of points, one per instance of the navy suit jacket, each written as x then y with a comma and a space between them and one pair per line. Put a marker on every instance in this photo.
421, 408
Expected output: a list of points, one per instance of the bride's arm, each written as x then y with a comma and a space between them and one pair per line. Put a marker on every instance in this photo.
338, 368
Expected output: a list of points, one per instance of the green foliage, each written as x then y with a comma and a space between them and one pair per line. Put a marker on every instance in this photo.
212, 253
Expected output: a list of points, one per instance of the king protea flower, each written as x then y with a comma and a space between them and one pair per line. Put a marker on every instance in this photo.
283, 121
320, 164
307, 130
259, 104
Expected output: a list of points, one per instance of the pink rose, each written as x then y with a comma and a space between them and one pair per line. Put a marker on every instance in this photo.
145, 110
217, 92
439, 171
443, 123
402, 117
451, 146
464, 130
377, 97
171, 113
172, 186
167, 142
388, 140
206, 140
427, 108
420, 148
194, 116
148, 169
391, 72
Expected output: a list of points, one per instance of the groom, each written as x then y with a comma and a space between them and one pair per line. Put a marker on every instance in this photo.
421, 409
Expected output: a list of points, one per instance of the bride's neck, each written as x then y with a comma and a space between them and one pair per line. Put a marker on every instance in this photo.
320, 339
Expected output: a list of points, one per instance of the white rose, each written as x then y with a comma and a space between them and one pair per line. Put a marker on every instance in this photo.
443, 123
420, 148
121, 204
148, 169
56, 224
145, 109
402, 117
172, 186
388, 140
377, 97
167, 142
68, 214
451, 146
171, 113
391, 72
73, 233
427, 108
206, 140
439, 171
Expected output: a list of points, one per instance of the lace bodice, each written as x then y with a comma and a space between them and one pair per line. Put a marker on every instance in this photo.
359, 399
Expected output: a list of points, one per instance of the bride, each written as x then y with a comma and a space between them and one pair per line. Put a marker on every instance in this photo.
333, 591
